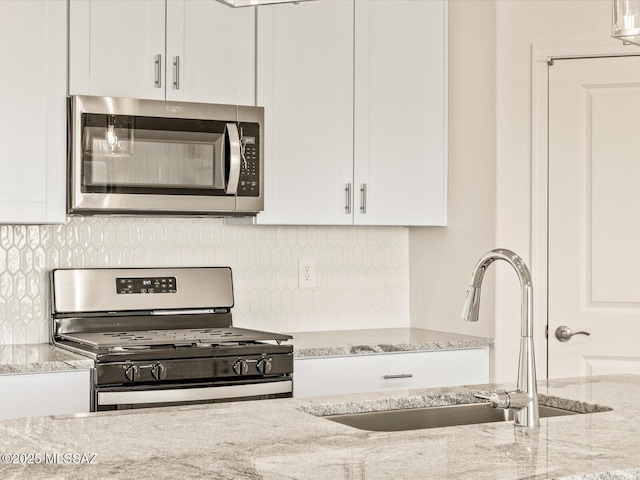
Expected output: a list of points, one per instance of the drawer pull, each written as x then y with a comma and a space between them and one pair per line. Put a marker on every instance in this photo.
402, 375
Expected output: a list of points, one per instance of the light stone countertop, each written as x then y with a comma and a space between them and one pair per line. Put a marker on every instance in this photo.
277, 439
29, 358
39, 357
385, 340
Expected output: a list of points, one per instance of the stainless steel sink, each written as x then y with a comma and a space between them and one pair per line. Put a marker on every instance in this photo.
433, 417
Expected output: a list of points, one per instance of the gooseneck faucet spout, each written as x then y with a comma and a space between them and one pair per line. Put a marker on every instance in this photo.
525, 398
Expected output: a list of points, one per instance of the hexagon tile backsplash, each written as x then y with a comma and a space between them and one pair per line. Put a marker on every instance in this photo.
362, 272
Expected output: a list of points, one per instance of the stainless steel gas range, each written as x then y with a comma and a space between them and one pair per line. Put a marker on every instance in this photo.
165, 336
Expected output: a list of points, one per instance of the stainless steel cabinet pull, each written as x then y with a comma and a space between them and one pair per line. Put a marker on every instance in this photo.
158, 63
363, 198
347, 199
401, 375
564, 333
176, 73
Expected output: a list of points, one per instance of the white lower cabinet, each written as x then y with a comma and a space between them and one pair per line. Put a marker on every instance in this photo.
315, 376
46, 393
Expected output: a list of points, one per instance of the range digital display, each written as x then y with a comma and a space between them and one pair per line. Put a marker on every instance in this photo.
146, 285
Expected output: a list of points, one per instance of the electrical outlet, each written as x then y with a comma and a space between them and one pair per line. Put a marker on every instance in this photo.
306, 273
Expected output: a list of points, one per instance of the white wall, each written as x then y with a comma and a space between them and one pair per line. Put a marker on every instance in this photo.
490, 81
442, 258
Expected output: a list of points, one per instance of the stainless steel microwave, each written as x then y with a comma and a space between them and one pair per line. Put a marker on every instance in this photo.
131, 156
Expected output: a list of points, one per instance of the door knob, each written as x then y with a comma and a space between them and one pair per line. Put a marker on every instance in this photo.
564, 333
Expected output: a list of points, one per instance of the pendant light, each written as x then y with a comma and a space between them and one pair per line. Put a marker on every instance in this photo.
626, 21
256, 3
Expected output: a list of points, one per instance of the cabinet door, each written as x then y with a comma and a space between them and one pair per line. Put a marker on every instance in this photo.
114, 46
33, 105
305, 83
51, 393
392, 371
400, 112
210, 52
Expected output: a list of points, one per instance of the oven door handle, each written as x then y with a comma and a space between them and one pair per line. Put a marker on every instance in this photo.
193, 394
231, 153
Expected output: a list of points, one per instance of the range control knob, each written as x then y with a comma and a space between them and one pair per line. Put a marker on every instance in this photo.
159, 371
240, 367
264, 365
132, 372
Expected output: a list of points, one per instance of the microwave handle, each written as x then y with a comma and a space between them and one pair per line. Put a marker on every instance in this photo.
233, 156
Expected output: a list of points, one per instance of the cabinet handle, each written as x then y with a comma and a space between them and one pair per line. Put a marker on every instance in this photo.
347, 195
363, 198
176, 72
234, 154
401, 375
158, 64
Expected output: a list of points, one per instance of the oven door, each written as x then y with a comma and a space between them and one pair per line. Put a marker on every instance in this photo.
128, 158
123, 398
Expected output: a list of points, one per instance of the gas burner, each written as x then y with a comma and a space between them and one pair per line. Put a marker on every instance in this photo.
224, 344
131, 348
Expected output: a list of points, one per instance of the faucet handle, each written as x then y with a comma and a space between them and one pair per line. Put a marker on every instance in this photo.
498, 399
503, 399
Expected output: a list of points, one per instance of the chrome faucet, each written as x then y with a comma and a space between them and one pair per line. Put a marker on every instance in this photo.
524, 400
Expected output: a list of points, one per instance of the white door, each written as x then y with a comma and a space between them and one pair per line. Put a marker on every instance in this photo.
210, 52
305, 84
117, 48
594, 215
400, 112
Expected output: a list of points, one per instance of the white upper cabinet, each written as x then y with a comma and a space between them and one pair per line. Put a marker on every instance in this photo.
33, 49
400, 112
116, 48
355, 102
210, 52
305, 84
187, 50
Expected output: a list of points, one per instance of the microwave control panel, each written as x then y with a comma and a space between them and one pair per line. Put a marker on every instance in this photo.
249, 184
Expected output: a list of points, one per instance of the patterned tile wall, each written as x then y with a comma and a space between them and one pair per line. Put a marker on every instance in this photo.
362, 272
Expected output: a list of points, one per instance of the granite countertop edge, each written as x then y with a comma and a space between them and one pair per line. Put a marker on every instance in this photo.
345, 343
626, 474
39, 358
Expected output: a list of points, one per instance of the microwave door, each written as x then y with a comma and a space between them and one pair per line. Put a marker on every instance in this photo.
231, 154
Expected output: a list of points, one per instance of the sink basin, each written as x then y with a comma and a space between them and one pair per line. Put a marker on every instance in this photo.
433, 417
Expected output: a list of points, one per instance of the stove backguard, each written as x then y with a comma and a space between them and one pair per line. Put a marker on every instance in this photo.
82, 292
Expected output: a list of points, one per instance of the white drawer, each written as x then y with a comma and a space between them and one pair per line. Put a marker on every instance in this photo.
389, 371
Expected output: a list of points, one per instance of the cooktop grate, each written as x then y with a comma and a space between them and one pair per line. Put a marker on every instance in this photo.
176, 337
